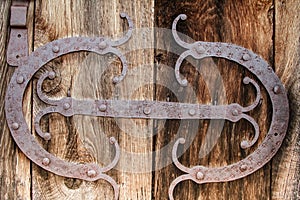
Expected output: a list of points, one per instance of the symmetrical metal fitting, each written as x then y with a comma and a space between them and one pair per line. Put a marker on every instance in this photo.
264, 73
17, 55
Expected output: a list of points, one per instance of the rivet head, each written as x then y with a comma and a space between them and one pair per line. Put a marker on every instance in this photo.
200, 49
276, 89
47, 136
147, 110
102, 107
51, 75
200, 176
46, 161
20, 79
66, 106
192, 112
15, 126
235, 112
246, 57
243, 168
91, 173
102, 45
55, 49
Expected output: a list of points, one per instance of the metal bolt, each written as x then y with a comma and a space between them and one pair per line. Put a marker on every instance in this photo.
102, 107
47, 136
235, 112
67, 106
243, 167
147, 110
102, 45
55, 49
246, 57
15, 126
46, 161
192, 112
200, 49
91, 173
200, 175
20, 79
276, 89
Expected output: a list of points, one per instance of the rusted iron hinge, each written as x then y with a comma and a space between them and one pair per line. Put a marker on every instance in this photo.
17, 49
17, 55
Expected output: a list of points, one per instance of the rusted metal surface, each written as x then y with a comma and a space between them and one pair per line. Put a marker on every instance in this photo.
145, 109
280, 116
17, 49
16, 120
68, 106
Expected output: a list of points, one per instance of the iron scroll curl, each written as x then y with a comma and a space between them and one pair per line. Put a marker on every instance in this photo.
280, 116
15, 93
69, 106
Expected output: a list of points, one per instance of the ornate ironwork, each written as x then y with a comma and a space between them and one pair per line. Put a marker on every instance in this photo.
28, 66
271, 143
68, 106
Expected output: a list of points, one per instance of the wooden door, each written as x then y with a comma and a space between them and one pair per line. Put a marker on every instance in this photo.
269, 28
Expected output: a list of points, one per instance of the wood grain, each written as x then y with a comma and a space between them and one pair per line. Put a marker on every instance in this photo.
89, 76
286, 164
249, 24
269, 28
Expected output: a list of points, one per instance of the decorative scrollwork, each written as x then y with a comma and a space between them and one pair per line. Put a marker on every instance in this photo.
15, 94
271, 143
68, 106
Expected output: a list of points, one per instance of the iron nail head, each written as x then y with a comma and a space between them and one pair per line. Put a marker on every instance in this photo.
192, 112
66, 106
91, 173
246, 57
51, 75
276, 89
55, 49
20, 79
200, 176
243, 167
200, 49
102, 107
235, 112
15, 126
46, 161
147, 110
102, 45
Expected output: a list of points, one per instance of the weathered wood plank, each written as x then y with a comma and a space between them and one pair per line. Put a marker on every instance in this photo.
15, 167
89, 76
286, 164
249, 24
